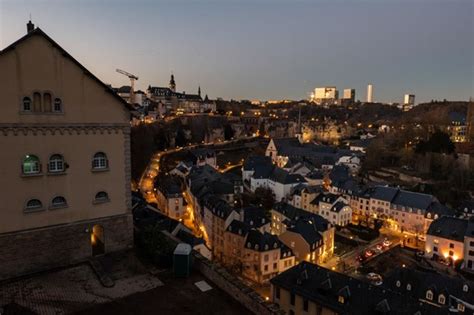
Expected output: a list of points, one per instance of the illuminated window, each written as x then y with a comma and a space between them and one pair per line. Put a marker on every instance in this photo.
101, 196
27, 104
56, 163
100, 161
31, 165
33, 204
429, 295
58, 202
441, 299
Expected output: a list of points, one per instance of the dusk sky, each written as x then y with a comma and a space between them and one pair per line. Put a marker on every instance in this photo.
265, 49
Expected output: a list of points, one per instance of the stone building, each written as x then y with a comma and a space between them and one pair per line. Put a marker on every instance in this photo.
65, 153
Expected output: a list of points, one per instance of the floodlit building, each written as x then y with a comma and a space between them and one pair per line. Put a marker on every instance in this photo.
65, 153
348, 96
408, 102
326, 95
370, 93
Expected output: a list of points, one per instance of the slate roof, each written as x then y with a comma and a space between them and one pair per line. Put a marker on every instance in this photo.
451, 228
170, 186
308, 229
384, 193
254, 217
324, 287
338, 206
420, 282
362, 143
261, 241
413, 200
38, 32
325, 197
205, 179
289, 211
252, 163
217, 206
238, 227
285, 251
283, 177
316, 174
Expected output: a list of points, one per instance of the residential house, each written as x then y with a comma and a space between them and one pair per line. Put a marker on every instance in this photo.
334, 208
279, 181
311, 289
452, 239
202, 156
169, 195
261, 256
217, 217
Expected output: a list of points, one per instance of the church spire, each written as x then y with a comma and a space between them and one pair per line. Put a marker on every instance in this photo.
172, 83
199, 91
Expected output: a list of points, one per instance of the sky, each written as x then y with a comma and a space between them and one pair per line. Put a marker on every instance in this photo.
265, 49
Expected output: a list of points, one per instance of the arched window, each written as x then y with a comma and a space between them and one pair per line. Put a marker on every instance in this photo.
31, 165
100, 161
58, 105
441, 299
33, 204
26, 104
47, 102
36, 102
101, 196
56, 163
58, 202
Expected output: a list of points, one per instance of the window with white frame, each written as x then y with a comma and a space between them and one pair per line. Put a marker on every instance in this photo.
56, 163
31, 165
33, 204
429, 295
100, 161
59, 202
101, 196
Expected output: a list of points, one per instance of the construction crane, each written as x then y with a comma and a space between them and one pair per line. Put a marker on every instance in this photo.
132, 78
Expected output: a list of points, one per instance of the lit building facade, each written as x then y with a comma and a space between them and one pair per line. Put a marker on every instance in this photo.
65, 143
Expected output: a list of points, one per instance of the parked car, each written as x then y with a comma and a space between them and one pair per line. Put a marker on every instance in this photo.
379, 247
387, 243
369, 253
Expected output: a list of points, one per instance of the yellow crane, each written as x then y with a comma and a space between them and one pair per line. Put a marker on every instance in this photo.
132, 78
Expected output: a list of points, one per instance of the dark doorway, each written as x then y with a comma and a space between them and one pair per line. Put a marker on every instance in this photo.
97, 240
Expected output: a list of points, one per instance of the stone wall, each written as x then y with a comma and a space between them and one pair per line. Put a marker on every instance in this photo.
234, 287
40, 249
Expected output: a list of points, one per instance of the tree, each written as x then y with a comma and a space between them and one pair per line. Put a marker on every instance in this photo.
180, 140
228, 132
439, 142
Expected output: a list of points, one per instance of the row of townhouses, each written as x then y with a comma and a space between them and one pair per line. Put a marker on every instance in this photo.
310, 289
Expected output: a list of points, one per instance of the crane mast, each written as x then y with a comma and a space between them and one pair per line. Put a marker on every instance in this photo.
132, 78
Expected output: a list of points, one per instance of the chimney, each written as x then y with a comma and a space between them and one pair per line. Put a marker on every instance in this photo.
30, 27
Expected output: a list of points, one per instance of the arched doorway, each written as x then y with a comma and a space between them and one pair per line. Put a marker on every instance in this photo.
97, 240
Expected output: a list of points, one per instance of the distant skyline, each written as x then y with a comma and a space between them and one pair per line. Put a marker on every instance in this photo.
265, 49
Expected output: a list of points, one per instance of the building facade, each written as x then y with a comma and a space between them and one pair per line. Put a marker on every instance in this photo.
65, 143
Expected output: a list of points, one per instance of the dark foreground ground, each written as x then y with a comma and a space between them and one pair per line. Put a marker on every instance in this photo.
176, 296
